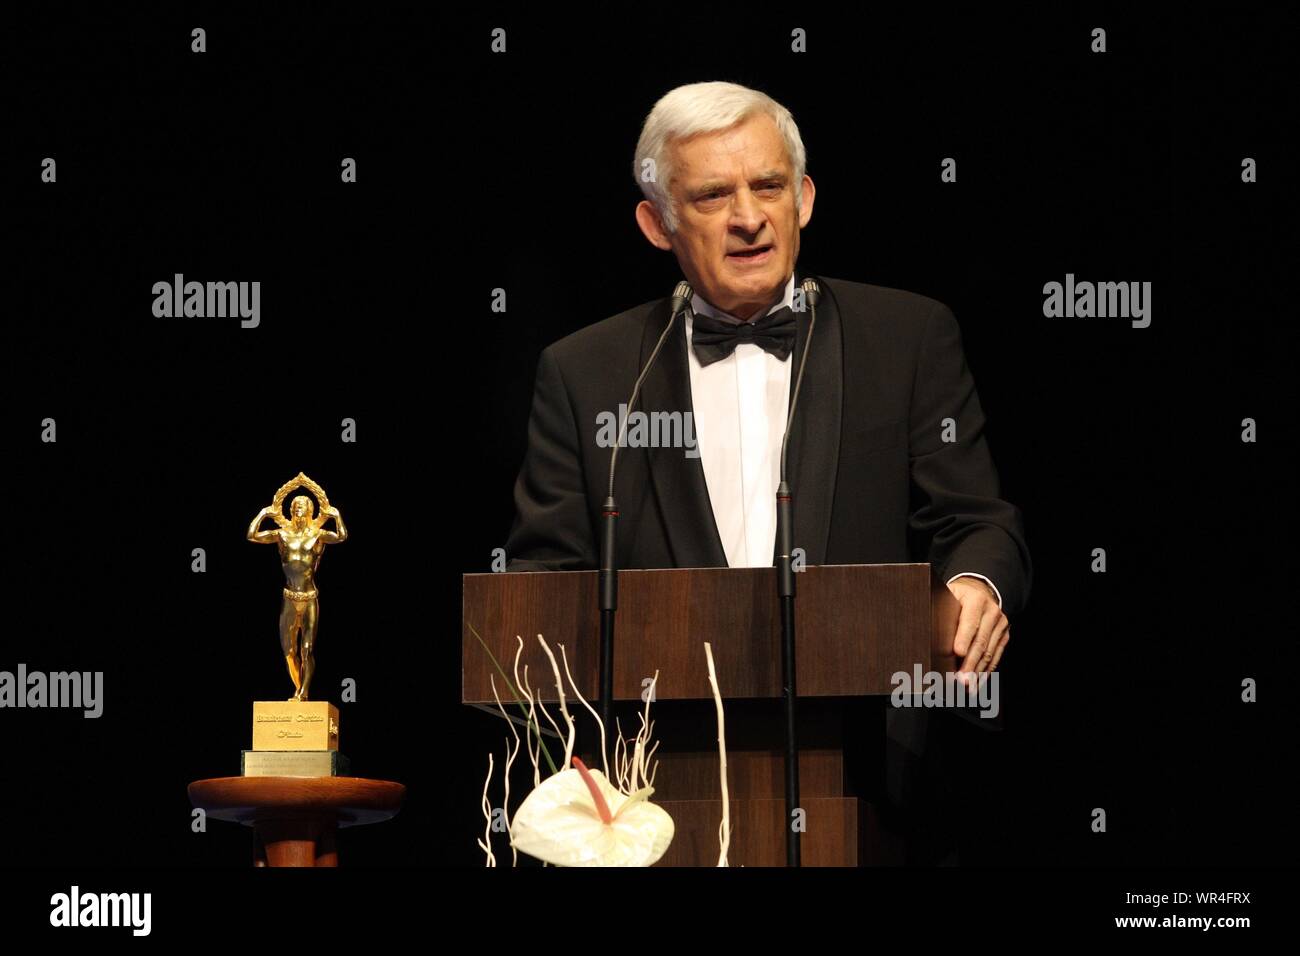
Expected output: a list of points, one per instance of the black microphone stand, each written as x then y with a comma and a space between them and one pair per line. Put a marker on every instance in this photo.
786, 593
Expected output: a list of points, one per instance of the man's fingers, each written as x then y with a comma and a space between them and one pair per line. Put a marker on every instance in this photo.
980, 643
968, 622
995, 642
997, 656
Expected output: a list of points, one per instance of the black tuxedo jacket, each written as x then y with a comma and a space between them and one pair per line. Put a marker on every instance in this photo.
872, 479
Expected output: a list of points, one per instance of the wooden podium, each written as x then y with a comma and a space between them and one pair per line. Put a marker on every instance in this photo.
857, 626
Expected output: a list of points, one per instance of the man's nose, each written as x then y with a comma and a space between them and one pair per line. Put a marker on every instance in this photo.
746, 215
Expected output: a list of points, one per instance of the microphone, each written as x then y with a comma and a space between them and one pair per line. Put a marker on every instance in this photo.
784, 504
608, 575
785, 592
681, 296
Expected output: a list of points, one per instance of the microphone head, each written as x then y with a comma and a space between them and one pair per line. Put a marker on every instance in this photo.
811, 290
681, 296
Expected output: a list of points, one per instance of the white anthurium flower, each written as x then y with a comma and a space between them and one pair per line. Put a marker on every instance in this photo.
578, 818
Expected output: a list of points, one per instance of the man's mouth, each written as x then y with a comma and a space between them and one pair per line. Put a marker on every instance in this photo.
752, 254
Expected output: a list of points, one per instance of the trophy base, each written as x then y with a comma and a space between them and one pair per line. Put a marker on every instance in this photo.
293, 763
295, 725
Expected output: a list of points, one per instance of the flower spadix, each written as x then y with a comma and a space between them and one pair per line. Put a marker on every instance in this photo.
578, 818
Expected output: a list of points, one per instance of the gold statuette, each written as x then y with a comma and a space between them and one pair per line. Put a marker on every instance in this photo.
302, 539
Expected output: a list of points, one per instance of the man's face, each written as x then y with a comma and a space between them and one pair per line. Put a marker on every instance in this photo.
299, 508
735, 194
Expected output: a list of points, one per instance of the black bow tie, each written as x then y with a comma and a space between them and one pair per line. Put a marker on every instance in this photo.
714, 339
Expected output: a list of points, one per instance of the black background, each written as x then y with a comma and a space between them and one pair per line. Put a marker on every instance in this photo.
476, 171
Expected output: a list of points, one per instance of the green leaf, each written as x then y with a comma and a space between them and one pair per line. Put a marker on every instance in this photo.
532, 725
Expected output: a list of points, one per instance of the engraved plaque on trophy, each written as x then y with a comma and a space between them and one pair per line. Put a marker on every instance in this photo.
295, 725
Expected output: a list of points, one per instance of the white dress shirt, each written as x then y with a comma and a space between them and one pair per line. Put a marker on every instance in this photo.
741, 453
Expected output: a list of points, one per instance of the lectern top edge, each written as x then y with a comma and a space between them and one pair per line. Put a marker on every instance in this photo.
881, 564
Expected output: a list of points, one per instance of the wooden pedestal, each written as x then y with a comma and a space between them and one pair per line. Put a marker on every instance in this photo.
295, 819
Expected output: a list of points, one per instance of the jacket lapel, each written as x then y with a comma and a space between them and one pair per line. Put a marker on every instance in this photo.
814, 446
678, 480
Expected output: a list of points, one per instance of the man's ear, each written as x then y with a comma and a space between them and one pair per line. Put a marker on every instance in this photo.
806, 203
652, 227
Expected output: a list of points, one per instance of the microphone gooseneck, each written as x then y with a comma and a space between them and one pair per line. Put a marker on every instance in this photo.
608, 574
681, 296
812, 293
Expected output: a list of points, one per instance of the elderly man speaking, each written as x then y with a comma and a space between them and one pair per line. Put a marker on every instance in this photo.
887, 458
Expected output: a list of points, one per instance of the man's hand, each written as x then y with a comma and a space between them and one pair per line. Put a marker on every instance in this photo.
982, 628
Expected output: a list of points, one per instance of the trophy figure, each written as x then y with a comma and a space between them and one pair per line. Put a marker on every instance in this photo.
301, 539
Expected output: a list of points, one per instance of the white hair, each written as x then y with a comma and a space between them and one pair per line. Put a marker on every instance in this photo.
704, 108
